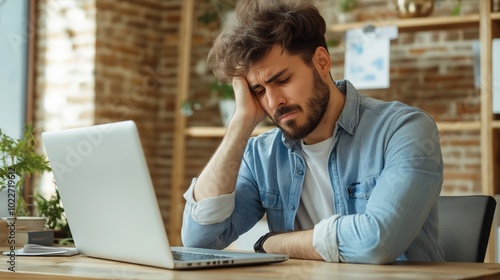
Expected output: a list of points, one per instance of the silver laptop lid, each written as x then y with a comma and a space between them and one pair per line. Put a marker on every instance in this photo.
106, 188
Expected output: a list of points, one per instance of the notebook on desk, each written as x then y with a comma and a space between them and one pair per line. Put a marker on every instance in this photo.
110, 202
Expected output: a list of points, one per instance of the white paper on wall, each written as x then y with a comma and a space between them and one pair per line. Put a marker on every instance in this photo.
495, 77
476, 50
495, 71
367, 56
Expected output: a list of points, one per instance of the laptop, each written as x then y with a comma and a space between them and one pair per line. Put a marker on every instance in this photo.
110, 202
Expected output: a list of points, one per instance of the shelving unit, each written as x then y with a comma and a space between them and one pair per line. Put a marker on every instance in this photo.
214, 131
489, 27
415, 24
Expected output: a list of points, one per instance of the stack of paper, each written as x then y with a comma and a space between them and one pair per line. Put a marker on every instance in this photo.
39, 250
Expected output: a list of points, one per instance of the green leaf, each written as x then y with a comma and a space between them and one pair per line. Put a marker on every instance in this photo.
225, 91
20, 155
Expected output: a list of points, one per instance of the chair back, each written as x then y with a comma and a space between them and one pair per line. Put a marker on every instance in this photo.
464, 226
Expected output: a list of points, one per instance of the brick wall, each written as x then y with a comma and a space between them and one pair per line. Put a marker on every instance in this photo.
135, 68
64, 94
64, 80
105, 60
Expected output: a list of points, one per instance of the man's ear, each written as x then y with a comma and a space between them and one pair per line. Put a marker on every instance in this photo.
322, 61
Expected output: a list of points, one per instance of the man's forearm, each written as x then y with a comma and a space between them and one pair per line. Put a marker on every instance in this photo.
297, 245
220, 174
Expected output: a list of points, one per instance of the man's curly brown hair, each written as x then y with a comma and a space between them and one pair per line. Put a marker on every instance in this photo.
257, 26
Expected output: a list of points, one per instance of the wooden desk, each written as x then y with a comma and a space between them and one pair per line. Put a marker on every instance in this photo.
81, 267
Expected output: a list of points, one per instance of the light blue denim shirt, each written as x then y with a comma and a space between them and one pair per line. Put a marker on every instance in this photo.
386, 171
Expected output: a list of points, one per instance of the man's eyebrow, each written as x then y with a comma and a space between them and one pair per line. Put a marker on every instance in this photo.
275, 76
270, 80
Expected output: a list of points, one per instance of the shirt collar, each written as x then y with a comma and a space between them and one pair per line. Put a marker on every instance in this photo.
349, 117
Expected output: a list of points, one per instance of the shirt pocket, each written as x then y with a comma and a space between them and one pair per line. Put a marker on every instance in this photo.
274, 210
359, 193
271, 200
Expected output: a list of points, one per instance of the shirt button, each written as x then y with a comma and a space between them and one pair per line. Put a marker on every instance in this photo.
300, 172
292, 207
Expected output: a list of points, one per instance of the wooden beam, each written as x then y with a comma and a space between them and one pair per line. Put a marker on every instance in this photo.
179, 155
31, 75
485, 35
486, 98
28, 190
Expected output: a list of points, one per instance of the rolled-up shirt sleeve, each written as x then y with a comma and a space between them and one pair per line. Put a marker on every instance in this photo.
325, 239
210, 210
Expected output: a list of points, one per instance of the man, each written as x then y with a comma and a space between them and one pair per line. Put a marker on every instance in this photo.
345, 178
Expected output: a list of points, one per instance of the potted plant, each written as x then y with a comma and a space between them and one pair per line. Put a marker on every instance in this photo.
53, 210
18, 161
221, 12
227, 104
347, 11
457, 9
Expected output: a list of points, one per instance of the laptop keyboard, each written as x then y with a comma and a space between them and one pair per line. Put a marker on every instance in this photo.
188, 256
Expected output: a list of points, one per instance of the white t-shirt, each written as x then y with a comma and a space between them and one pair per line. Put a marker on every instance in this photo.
316, 200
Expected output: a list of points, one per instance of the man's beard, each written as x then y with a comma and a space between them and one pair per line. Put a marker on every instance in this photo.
316, 105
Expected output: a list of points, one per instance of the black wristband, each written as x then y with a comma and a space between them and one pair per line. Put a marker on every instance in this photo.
258, 247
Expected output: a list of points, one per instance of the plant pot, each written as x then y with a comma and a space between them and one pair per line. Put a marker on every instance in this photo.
227, 108
346, 17
414, 8
28, 222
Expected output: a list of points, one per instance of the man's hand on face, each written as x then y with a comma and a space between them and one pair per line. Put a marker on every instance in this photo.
247, 105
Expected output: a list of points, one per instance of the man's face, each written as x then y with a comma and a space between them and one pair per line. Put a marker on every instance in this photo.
293, 94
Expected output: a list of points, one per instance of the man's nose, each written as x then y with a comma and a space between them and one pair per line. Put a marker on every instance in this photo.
275, 98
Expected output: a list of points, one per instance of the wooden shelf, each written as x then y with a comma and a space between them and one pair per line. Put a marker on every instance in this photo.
214, 131
495, 16
458, 126
495, 124
417, 24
